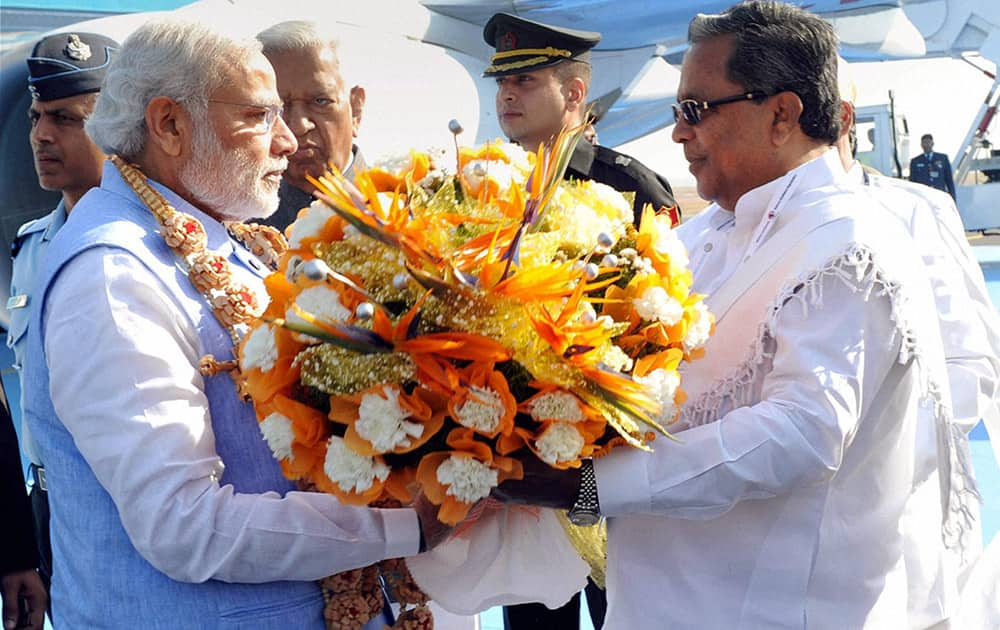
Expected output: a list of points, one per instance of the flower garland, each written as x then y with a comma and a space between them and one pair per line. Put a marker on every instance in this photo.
351, 598
233, 303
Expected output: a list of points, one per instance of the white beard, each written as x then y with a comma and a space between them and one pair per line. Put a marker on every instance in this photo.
229, 184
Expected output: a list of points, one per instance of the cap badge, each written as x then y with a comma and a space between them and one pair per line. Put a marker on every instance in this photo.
76, 49
507, 41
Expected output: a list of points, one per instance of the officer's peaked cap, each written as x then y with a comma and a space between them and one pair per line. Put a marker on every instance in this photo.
523, 45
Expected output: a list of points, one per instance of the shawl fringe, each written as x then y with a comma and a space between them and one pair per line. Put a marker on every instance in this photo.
857, 269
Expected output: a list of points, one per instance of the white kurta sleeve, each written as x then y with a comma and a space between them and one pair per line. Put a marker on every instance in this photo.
828, 363
123, 367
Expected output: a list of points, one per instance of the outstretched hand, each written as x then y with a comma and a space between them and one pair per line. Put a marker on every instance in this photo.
542, 485
433, 532
24, 600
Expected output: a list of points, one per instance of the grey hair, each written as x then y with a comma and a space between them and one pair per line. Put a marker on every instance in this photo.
182, 60
780, 47
300, 35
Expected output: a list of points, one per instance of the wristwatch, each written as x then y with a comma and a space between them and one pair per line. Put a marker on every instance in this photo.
587, 510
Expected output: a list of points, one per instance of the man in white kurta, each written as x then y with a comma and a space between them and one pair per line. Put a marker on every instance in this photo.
781, 505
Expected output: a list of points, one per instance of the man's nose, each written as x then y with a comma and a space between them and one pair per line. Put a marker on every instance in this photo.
682, 132
43, 130
283, 141
297, 119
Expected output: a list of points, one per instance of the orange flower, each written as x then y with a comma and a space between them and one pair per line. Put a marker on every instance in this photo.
385, 181
563, 417
309, 429
385, 419
456, 479
353, 478
483, 401
263, 385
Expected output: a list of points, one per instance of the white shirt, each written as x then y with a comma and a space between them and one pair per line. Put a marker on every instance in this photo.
751, 521
970, 327
126, 385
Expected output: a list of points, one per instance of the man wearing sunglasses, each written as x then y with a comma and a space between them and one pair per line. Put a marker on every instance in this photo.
543, 76
798, 455
321, 107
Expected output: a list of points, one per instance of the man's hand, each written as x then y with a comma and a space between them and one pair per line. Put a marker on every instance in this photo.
24, 600
433, 531
542, 485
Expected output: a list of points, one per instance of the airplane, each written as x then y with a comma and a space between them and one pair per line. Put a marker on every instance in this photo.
421, 64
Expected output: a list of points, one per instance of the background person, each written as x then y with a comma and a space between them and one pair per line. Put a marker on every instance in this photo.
64, 76
321, 107
543, 76
21, 588
932, 169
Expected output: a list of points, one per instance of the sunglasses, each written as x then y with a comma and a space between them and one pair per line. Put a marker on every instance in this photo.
690, 109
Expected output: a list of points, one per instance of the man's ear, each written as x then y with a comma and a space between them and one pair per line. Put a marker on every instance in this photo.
168, 125
787, 108
575, 91
846, 115
357, 107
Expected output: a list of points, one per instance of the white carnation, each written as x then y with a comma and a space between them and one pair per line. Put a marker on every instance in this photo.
309, 223
656, 305
616, 359
476, 171
384, 423
608, 195
557, 405
351, 470
396, 164
699, 329
668, 243
467, 478
321, 302
278, 433
662, 387
517, 155
481, 411
561, 442
260, 349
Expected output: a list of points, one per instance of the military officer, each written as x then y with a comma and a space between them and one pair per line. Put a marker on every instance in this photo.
543, 76
64, 75
932, 169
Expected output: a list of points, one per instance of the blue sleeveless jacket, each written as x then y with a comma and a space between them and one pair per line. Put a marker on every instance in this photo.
100, 580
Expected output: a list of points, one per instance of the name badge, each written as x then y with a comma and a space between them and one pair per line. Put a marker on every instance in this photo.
16, 302
934, 174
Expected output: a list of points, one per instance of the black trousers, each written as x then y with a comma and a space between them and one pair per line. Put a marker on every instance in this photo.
567, 617
40, 514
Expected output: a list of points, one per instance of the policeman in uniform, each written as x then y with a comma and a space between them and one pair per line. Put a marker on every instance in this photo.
543, 75
65, 72
932, 169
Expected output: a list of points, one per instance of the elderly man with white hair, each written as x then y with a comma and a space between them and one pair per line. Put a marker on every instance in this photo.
322, 108
168, 509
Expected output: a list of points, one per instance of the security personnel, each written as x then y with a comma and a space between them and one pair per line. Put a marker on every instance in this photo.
65, 72
543, 75
932, 169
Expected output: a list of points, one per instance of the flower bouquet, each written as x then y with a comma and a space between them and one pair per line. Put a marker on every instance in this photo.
425, 327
